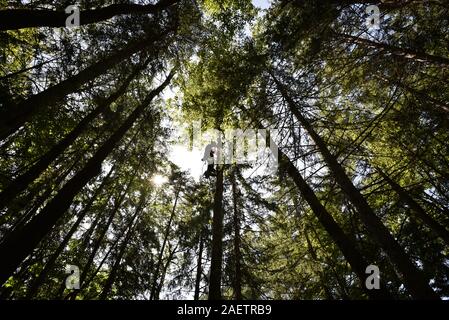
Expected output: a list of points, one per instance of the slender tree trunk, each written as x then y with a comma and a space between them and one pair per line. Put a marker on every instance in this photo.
406, 53
20, 243
51, 262
121, 251
101, 236
88, 281
347, 246
164, 271
199, 268
164, 243
88, 234
22, 182
161, 252
217, 239
420, 213
94, 274
13, 117
23, 218
13, 19
237, 254
413, 278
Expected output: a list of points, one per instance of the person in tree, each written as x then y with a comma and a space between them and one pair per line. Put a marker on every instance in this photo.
208, 156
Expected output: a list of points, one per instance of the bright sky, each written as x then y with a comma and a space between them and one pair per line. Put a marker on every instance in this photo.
188, 160
262, 4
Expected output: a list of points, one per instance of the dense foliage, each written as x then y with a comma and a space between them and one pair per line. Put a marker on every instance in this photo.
89, 116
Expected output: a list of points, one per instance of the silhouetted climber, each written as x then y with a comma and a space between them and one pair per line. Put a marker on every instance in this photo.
209, 157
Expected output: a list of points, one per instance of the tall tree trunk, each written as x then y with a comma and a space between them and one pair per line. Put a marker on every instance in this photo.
199, 268
13, 117
347, 245
413, 278
217, 239
13, 19
121, 251
99, 239
164, 270
26, 216
20, 243
420, 213
86, 237
22, 182
164, 243
87, 282
406, 53
237, 254
51, 262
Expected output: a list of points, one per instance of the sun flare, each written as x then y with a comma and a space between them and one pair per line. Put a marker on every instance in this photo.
159, 180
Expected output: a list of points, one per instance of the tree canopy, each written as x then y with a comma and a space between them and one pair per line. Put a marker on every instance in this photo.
351, 115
